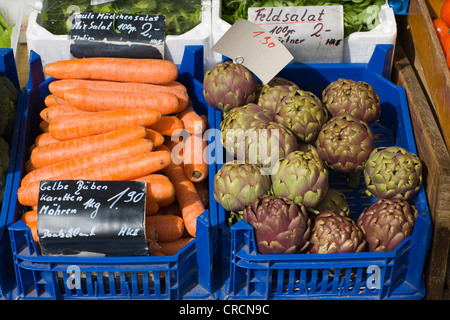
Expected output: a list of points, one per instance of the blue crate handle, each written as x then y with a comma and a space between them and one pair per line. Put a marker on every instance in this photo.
381, 60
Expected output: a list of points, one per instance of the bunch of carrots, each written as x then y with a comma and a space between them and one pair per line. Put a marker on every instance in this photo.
113, 119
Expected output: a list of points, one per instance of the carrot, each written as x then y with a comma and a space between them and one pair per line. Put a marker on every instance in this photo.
187, 196
155, 136
125, 150
52, 100
43, 125
97, 100
192, 121
194, 163
43, 139
59, 87
34, 230
168, 125
29, 217
68, 127
42, 156
176, 147
126, 169
159, 187
151, 207
203, 190
170, 248
168, 227
151, 238
29, 166
156, 71
54, 112
177, 85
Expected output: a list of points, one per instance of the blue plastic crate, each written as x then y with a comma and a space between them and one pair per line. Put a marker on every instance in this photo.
367, 275
185, 275
8, 69
400, 7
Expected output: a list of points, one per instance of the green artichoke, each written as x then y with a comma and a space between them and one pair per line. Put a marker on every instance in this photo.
228, 85
270, 94
301, 177
237, 185
334, 201
333, 233
386, 223
303, 113
356, 98
280, 225
345, 143
393, 173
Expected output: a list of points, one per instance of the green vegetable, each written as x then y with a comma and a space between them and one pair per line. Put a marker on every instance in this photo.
5, 33
359, 15
181, 16
8, 100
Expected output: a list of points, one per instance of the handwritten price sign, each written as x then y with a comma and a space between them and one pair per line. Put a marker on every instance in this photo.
255, 48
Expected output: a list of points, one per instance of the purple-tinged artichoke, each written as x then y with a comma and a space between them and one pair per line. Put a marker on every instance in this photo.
386, 223
393, 173
356, 98
270, 94
280, 225
345, 143
237, 185
303, 113
228, 85
333, 233
301, 177
334, 201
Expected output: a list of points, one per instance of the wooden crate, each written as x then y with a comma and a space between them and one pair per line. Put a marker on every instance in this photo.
436, 159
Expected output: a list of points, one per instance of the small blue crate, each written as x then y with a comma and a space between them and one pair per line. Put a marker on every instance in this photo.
8, 69
366, 275
185, 275
400, 7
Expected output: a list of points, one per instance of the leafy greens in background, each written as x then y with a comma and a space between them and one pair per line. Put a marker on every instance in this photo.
5, 33
359, 15
181, 16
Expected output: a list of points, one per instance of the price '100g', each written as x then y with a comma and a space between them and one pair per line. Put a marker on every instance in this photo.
128, 196
265, 39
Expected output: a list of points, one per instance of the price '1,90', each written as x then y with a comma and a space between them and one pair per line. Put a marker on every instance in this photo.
129, 196
264, 38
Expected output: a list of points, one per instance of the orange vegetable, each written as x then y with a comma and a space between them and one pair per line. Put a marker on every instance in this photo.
173, 208
98, 100
156, 71
194, 163
151, 207
187, 196
170, 248
168, 125
168, 227
177, 85
43, 125
57, 111
192, 121
159, 187
29, 217
203, 190
126, 169
125, 150
43, 139
68, 127
59, 87
155, 136
45, 155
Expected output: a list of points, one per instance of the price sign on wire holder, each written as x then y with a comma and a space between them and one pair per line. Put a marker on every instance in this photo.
117, 35
255, 48
92, 218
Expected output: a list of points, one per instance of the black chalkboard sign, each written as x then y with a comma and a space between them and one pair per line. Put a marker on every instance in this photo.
117, 35
92, 218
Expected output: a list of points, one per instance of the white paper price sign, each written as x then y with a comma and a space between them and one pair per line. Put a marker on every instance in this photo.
255, 48
310, 33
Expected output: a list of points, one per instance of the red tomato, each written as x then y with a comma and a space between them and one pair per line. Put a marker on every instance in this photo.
445, 12
441, 27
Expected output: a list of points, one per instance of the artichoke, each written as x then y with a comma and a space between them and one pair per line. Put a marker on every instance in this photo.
386, 223
303, 113
345, 143
228, 85
237, 185
333, 233
280, 225
334, 201
393, 173
270, 94
356, 98
301, 177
